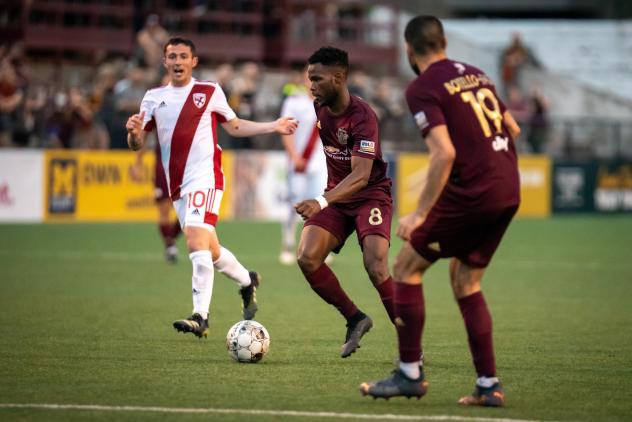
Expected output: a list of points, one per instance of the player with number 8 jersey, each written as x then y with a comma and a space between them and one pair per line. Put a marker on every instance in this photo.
357, 197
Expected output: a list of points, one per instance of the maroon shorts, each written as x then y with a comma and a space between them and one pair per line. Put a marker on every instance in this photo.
470, 236
161, 189
365, 218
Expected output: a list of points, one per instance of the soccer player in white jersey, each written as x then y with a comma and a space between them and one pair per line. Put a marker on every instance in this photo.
184, 114
307, 171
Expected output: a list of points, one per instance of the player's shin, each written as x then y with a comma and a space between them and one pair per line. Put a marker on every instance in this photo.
410, 316
202, 282
478, 323
228, 265
385, 290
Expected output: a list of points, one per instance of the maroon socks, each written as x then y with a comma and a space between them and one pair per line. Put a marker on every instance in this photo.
410, 316
324, 282
478, 323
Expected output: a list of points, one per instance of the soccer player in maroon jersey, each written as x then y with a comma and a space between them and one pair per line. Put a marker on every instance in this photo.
357, 197
471, 195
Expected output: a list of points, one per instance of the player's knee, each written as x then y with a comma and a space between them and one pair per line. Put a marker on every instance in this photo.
308, 263
377, 270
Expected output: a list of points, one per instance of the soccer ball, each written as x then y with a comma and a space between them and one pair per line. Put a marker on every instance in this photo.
247, 341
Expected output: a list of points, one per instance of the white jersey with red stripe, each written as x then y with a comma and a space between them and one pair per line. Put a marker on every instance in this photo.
186, 119
301, 108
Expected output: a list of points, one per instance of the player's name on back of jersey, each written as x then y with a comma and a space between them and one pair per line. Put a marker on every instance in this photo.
456, 85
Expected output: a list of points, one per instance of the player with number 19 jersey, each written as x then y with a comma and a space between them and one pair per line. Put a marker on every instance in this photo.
484, 174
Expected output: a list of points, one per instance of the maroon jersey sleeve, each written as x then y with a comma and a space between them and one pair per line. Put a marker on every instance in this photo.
425, 108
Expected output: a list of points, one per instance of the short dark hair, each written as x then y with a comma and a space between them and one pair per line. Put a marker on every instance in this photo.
425, 35
178, 41
330, 56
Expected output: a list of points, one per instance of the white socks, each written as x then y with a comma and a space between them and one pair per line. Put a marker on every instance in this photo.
288, 231
486, 382
228, 265
410, 369
202, 281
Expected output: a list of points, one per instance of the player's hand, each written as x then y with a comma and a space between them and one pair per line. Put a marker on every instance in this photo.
307, 208
300, 164
286, 125
135, 124
407, 224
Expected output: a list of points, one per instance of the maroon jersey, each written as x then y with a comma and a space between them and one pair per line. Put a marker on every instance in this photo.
485, 172
354, 132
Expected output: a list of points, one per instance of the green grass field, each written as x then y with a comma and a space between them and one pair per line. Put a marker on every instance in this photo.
86, 312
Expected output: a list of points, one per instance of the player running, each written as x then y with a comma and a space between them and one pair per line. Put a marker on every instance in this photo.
184, 114
357, 198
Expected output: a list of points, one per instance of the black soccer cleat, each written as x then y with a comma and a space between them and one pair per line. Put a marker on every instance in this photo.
249, 296
491, 397
355, 331
397, 385
194, 324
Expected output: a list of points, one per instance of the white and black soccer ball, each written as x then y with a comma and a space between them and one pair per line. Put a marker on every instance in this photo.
247, 341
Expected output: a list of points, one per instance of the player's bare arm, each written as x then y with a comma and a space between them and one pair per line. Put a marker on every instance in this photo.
356, 180
442, 155
135, 133
511, 125
240, 128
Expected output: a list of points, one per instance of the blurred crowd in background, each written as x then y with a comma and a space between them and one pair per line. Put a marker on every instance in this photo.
45, 108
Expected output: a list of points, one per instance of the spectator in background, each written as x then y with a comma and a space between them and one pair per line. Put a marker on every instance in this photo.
242, 99
512, 61
127, 93
518, 105
11, 101
150, 40
388, 111
538, 127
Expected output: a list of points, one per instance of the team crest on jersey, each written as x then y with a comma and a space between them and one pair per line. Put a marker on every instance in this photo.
343, 136
199, 99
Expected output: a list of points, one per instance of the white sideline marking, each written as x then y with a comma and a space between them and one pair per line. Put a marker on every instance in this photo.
335, 415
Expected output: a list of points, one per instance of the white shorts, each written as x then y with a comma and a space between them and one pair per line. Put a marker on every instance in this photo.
199, 208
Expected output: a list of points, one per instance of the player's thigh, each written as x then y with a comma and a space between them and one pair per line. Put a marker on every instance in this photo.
484, 240
374, 218
201, 238
164, 210
336, 222
315, 244
199, 209
410, 265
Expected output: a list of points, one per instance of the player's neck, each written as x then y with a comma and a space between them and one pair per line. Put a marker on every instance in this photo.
180, 84
424, 62
341, 103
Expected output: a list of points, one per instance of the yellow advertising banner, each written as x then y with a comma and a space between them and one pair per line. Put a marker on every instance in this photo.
535, 183
98, 186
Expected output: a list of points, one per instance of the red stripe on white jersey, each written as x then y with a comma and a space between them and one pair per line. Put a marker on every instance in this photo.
217, 153
182, 138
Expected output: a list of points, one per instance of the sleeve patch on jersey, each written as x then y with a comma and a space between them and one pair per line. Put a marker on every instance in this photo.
367, 147
421, 120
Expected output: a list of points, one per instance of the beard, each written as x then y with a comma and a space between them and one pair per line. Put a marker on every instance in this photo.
413, 65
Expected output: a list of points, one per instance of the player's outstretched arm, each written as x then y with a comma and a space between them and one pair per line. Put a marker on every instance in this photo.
511, 125
240, 128
356, 180
135, 133
442, 155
